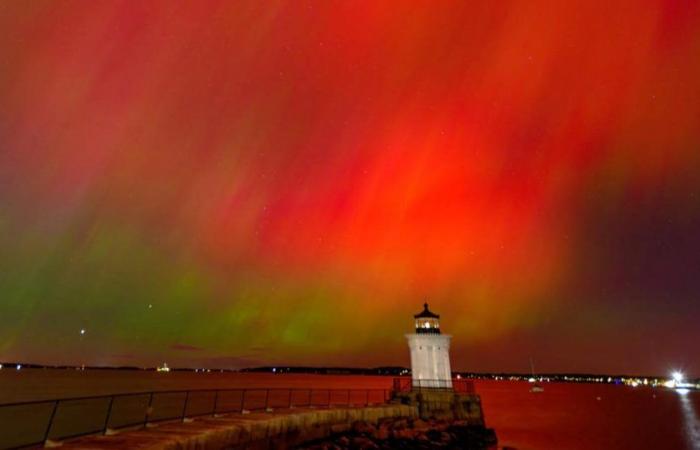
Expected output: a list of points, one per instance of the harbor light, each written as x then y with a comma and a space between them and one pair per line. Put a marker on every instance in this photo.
429, 349
677, 381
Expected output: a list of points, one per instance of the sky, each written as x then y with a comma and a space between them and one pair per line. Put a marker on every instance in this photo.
229, 184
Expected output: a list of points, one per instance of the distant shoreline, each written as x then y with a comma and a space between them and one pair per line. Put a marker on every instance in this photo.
395, 371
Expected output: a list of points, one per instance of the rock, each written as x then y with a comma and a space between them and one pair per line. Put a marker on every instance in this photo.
410, 435
363, 428
362, 442
399, 424
433, 435
420, 424
382, 433
441, 425
340, 428
421, 436
445, 437
404, 433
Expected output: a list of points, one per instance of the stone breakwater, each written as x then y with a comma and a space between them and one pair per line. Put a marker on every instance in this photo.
277, 429
412, 421
393, 433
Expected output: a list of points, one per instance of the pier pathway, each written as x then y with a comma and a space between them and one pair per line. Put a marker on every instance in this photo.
257, 430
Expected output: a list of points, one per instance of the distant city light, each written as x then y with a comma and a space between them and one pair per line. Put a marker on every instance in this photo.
19, 366
82, 331
677, 376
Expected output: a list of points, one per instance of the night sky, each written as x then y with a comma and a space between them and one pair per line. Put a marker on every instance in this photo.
231, 183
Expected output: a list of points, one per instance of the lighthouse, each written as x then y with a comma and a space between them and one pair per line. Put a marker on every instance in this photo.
430, 352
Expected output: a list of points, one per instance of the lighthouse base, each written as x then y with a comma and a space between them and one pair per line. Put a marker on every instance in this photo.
437, 404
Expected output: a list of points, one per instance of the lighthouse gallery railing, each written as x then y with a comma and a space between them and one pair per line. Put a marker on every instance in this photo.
458, 385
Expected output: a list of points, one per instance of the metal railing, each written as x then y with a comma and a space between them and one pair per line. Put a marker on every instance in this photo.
30, 424
458, 385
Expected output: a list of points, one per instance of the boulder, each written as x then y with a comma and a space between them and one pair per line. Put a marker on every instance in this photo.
363, 427
382, 432
420, 424
361, 442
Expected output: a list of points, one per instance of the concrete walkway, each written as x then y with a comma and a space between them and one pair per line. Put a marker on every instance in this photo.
278, 429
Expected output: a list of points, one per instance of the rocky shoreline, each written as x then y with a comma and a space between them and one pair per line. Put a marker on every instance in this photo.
408, 434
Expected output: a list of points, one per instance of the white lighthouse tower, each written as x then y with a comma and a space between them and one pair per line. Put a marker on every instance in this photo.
430, 352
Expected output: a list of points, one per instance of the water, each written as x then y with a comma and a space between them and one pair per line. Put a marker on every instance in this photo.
564, 416
40, 384
591, 416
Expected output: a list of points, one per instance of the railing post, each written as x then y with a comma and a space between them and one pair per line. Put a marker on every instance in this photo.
216, 402
109, 414
290, 399
267, 398
148, 410
184, 407
48, 426
243, 400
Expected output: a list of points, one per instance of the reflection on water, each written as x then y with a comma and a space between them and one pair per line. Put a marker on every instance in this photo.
589, 416
692, 425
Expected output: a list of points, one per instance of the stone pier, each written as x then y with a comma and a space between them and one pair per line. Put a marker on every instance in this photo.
444, 404
269, 430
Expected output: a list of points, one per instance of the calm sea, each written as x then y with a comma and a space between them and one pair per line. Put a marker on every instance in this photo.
564, 416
